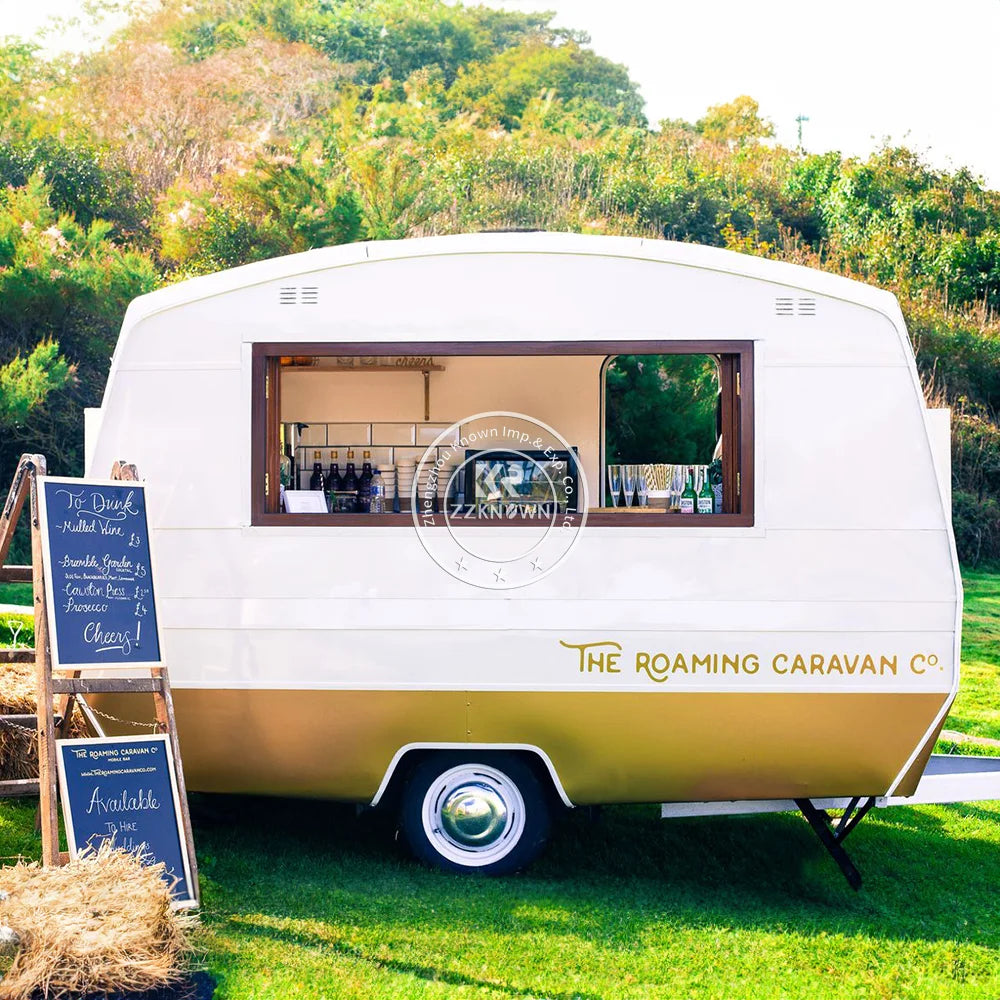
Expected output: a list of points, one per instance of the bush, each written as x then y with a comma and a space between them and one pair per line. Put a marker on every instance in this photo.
977, 528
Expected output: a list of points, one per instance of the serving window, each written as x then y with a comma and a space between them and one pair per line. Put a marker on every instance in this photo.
358, 434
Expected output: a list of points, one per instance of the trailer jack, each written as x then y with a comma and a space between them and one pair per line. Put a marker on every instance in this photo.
832, 833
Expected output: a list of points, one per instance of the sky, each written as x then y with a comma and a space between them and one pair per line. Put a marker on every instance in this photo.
862, 71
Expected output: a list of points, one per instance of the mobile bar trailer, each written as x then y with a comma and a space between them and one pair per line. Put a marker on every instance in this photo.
503, 630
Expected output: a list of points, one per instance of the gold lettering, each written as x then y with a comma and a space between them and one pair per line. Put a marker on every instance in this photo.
868, 666
774, 663
604, 661
798, 665
888, 663
701, 661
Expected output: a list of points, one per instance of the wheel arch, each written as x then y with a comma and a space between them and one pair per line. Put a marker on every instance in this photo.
410, 754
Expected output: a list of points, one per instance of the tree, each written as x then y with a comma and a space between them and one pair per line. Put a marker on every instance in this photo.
26, 382
500, 88
62, 286
736, 124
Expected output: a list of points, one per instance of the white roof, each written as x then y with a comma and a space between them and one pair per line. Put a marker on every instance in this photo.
684, 254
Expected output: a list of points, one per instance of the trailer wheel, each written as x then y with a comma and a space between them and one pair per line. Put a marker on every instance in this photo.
475, 813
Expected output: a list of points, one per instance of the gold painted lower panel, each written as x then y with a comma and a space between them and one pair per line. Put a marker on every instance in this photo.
606, 747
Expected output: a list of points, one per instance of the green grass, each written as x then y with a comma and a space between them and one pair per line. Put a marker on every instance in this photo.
977, 708
16, 593
303, 899
16, 629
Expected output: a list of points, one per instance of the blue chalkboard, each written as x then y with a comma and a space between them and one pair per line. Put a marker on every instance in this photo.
123, 788
100, 585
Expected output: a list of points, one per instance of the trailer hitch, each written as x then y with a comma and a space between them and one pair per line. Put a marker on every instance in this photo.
832, 833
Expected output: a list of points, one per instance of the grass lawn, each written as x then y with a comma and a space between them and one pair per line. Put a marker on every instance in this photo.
16, 593
306, 900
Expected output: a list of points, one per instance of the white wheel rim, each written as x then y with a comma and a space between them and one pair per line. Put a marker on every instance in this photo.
473, 815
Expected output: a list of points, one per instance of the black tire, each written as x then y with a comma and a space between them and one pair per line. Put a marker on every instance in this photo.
477, 813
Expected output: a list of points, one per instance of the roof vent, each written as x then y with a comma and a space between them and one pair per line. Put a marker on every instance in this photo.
291, 295
788, 306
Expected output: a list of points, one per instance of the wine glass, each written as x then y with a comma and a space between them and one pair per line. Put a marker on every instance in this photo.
628, 480
615, 482
642, 490
676, 487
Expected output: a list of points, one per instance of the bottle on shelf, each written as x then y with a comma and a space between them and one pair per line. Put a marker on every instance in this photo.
349, 484
365, 483
334, 481
376, 486
689, 498
706, 498
317, 481
395, 492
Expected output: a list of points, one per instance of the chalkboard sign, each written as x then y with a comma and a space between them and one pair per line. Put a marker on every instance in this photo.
124, 789
98, 576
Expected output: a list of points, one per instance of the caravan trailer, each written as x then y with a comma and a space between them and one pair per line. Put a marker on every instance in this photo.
505, 630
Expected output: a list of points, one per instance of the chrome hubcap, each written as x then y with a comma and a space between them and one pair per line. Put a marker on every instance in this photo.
474, 815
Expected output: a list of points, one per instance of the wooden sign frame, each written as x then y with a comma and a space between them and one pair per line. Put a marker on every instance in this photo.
31, 470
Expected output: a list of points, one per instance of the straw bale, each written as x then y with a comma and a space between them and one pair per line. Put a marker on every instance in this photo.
101, 924
19, 750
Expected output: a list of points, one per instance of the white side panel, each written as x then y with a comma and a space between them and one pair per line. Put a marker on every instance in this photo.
847, 447
939, 430
600, 614
607, 564
186, 431
538, 660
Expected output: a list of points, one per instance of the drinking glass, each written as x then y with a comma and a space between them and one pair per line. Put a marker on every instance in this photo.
676, 487
615, 483
642, 490
628, 481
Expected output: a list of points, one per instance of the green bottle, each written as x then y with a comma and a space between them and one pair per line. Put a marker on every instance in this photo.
706, 498
689, 498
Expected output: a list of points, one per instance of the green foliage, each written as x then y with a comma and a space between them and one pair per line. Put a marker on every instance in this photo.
82, 182
19, 66
379, 38
976, 521
25, 382
500, 89
70, 284
735, 123
17, 629
661, 408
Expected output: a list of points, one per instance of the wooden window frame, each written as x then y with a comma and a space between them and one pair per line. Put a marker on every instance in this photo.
737, 419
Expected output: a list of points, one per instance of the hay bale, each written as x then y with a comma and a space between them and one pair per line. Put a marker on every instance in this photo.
19, 750
101, 924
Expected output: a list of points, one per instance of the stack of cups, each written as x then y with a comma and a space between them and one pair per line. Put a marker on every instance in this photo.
404, 479
445, 477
